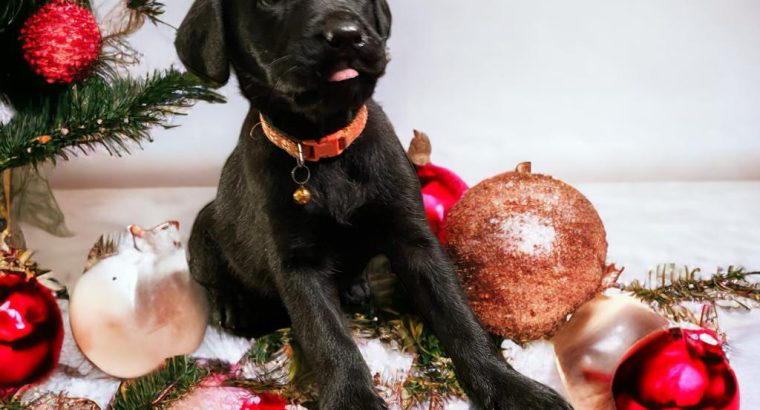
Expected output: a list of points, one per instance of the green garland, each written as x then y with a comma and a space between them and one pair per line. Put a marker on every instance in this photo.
161, 388
432, 381
669, 287
99, 113
12, 404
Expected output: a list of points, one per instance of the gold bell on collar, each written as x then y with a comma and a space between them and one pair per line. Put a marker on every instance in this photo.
302, 195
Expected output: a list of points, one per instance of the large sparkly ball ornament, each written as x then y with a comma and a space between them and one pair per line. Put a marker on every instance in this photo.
676, 369
529, 250
136, 304
61, 41
591, 345
31, 330
441, 187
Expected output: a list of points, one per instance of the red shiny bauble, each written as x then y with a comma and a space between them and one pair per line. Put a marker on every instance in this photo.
265, 401
31, 330
61, 41
676, 369
441, 188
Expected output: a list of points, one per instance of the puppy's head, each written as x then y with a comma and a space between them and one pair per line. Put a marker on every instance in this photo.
314, 57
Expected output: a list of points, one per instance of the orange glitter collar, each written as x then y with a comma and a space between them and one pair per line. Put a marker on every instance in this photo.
326, 147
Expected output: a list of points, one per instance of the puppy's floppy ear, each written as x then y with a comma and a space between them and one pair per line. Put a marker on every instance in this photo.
383, 16
200, 42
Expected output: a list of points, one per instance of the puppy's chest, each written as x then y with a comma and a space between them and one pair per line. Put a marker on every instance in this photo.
338, 189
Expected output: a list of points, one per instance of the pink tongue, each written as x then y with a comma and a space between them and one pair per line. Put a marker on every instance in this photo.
345, 74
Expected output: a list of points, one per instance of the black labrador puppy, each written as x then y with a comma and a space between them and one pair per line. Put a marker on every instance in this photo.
309, 68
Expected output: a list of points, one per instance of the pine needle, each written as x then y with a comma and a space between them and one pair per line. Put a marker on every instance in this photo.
152, 9
668, 288
161, 388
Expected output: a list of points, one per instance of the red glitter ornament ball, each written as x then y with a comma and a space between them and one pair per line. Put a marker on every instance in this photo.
31, 330
61, 41
676, 369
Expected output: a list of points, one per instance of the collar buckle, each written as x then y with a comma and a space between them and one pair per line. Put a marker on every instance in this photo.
326, 147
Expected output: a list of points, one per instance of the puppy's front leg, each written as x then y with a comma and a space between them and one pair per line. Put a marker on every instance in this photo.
311, 298
424, 269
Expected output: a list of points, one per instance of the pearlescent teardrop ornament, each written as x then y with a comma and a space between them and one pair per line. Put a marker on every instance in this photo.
136, 304
590, 346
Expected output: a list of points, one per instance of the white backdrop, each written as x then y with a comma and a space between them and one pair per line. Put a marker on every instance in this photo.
589, 90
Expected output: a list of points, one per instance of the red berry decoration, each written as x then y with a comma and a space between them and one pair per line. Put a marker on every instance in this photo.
676, 369
441, 188
31, 327
61, 41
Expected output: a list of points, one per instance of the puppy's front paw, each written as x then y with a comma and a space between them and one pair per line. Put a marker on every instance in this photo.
531, 395
351, 397
513, 391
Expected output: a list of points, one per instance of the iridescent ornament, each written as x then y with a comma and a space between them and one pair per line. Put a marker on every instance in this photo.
590, 346
136, 304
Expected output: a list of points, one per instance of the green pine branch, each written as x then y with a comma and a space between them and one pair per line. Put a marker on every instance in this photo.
10, 403
161, 388
152, 9
669, 287
98, 113
265, 347
433, 379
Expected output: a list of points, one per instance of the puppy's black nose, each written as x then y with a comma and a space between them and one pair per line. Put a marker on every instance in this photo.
342, 32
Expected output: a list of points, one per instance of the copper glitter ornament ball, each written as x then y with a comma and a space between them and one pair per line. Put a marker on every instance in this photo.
529, 250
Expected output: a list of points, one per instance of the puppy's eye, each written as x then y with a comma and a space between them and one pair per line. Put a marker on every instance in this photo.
268, 3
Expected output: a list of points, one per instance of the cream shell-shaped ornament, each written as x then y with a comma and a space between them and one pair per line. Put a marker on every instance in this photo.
136, 304
591, 345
